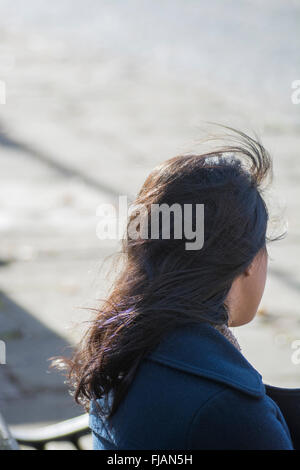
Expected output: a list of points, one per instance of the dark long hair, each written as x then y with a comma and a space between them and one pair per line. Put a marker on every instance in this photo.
164, 286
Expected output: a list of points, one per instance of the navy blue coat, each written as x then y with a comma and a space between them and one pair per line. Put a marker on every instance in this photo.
194, 391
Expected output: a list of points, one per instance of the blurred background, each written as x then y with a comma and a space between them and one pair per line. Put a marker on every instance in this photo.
97, 92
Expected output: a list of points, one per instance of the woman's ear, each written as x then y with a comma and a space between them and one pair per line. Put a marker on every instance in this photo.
246, 292
255, 263
249, 270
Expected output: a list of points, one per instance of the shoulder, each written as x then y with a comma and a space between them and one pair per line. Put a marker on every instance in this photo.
232, 420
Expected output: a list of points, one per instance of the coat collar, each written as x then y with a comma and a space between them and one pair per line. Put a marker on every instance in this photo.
202, 350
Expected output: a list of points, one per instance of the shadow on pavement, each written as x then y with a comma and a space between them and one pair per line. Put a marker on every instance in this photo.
29, 391
64, 170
